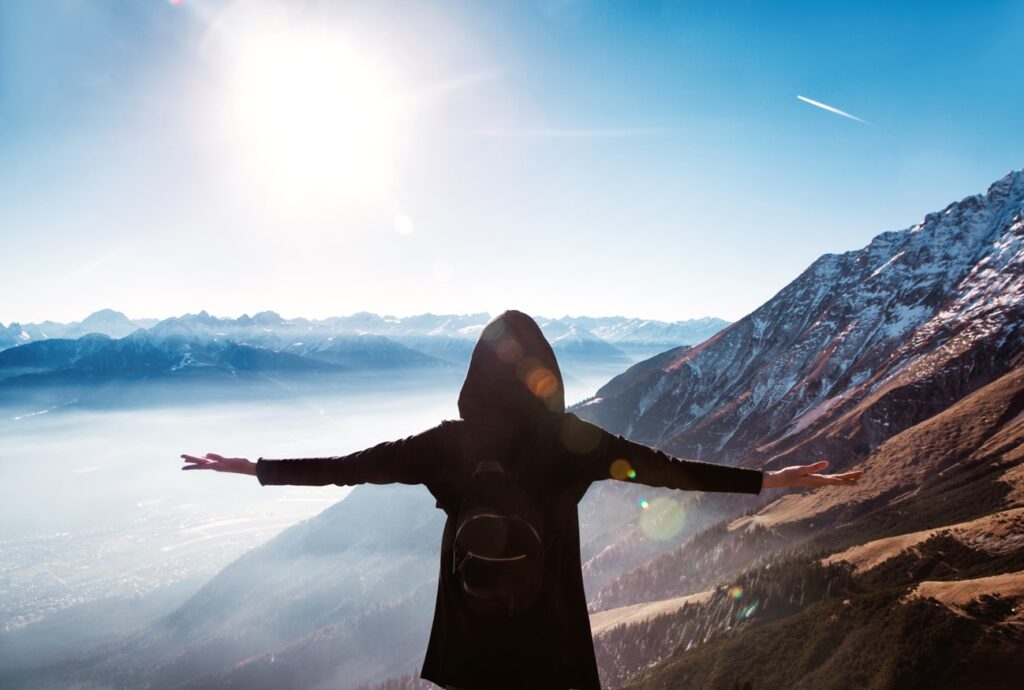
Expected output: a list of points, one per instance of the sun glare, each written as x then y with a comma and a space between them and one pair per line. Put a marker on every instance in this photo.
317, 122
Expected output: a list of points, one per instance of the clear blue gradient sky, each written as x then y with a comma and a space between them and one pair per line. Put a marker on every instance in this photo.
647, 159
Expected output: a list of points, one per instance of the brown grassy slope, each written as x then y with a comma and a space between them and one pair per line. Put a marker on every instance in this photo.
865, 612
872, 641
603, 621
936, 541
952, 468
961, 596
998, 533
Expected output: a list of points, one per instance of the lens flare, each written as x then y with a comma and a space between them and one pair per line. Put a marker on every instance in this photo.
662, 519
644, 504
621, 470
542, 382
747, 611
538, 378
509, 350
736, 592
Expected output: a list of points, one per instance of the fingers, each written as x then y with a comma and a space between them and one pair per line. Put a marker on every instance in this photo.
855, 475
198, 463
846, 479
192, 458
814, 467
840, 478
206, 458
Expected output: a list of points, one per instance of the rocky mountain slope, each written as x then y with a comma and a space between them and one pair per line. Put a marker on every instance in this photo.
860, 346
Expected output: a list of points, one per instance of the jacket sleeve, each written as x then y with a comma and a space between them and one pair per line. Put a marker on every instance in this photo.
411, 460
602, 455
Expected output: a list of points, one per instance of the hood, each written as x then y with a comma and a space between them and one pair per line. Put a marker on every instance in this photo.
513, 374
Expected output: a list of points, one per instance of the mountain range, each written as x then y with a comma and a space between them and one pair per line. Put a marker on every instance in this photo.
904, 359
108, 345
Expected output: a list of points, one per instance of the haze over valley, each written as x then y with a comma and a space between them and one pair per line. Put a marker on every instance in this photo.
94, 414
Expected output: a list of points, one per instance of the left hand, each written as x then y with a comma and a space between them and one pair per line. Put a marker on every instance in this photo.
806, 476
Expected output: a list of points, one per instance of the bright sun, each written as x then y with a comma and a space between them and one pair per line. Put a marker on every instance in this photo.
317, 122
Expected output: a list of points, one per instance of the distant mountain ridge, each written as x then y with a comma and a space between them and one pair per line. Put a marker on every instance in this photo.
197, 344
629, 334
105, 322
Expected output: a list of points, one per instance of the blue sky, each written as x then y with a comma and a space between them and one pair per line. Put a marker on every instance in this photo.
646, 159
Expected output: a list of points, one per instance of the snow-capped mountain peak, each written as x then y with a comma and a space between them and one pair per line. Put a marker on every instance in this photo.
937, 306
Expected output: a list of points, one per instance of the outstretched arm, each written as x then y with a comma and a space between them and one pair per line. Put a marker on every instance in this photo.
410, 460
608, 456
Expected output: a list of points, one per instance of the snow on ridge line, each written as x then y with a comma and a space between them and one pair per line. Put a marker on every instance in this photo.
845, 325
269, 325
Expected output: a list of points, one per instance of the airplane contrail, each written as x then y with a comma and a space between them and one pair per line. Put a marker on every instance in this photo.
829, 108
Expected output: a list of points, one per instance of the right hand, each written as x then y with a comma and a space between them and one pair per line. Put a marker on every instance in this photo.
807, 476
218, 463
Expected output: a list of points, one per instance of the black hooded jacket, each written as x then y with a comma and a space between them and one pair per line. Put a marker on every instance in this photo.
512, 410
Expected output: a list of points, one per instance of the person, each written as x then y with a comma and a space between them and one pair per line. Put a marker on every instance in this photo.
512, 411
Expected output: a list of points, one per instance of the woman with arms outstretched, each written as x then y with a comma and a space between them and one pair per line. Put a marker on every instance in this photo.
511, 611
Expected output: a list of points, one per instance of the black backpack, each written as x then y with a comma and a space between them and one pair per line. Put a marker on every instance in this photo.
498, 549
